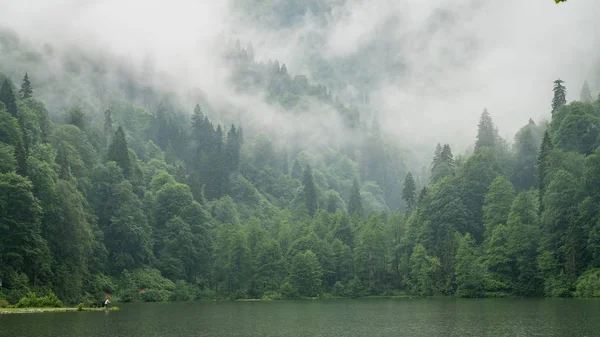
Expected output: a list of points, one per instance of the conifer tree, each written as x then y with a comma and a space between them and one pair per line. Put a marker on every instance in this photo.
409, 191
486, 133
26, 90
108, 124
446, 155
232, 150
331, 204
296, 170
355, 203
310, 191
560, 95
285, 166
119, 153
542, 166
586, 94
63, 162
443, 163
437, 156
8, 98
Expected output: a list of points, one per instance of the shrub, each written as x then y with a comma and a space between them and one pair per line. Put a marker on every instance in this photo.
288, 291
339, 290
155, 287
207, 294
183, 292
80, 306
271, 296
588, 284
3, 303
355, 288
32, 301
101, 284
154, 295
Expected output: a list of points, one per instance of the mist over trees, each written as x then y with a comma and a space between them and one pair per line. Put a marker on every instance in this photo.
117, 184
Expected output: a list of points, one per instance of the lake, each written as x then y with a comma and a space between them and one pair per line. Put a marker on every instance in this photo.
446, 317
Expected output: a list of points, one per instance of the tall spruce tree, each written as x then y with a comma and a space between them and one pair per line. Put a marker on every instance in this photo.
26, 89
355, 202
310, 191
443, 163
233, 148
296, 170
119, 153
527, 151
108, 125
542, 167
8, 98
560, 95
586, 94
331, 204
486, 133
409, 191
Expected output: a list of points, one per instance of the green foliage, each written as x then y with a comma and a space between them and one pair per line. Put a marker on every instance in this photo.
310, 191
355, 202
469, 271
288, 291
588, 284
497, 203
9, 162
32, 301
306, 273
423, 271
409, 191
560, 93
26, 89
171, 208
7, 97
118, 152
487, 134
183, 292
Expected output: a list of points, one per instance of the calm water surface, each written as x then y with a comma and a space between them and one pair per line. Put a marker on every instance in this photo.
368, 317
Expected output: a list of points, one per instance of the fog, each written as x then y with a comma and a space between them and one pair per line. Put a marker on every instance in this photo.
433, 66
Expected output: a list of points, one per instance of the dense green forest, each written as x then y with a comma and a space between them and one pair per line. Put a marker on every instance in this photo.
143, 198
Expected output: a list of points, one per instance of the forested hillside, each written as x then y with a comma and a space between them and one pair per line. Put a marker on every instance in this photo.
130, 192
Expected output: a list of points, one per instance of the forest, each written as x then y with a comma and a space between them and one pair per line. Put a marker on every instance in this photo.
144, 198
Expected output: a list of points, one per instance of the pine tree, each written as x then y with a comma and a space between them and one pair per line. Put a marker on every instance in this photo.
486, 133
446, 155
437, 156
560, 95
26, 90
63, 162
443, 163
586, 94
526, 145
8, 98
331, 204
119, 153
296, 170
108, 124
409, 191
355, 202
542, 166
233, 148
310, 191
285, 166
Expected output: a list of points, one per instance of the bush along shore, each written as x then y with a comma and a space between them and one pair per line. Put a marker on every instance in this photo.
50, 303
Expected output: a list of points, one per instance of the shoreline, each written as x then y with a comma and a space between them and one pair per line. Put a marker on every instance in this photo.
8, 311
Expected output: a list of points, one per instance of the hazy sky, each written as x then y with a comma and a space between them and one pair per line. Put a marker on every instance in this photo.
461, 55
